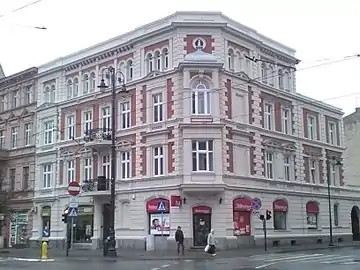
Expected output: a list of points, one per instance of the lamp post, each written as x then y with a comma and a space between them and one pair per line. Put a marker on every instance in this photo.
330, 161
110, 72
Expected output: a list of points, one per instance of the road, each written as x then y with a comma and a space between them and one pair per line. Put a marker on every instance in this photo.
344, 259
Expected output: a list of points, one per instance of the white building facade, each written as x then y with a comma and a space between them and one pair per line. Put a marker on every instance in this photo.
203, 131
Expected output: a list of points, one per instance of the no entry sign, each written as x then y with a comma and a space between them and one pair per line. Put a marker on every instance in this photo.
74, 188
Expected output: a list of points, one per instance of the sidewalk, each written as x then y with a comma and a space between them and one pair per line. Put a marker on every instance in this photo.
192, 254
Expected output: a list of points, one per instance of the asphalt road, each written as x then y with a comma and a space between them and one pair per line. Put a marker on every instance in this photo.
344, 259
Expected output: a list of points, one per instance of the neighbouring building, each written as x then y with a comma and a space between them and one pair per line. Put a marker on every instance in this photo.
211, 129
17, 155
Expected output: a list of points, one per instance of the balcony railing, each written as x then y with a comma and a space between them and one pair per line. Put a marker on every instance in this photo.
98, 134
98, 184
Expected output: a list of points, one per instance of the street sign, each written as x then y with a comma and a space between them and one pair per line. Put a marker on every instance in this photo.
73, 203
256, 203
73, 212
161, 206
74, 188
46, 232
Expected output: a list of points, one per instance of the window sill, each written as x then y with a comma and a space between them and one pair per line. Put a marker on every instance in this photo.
282, 231
203, 172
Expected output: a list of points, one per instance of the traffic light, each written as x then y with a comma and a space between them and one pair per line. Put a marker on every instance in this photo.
65, 215
268, 214
262, 217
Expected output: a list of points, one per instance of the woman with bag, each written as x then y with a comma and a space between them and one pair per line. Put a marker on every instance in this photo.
211, 241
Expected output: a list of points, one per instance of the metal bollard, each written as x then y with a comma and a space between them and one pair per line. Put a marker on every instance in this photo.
44, 250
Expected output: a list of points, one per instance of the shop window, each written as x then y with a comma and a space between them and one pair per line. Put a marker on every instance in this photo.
18, 229
312, 215
46, 221
159, 217
280, 209
242, 208
84, 224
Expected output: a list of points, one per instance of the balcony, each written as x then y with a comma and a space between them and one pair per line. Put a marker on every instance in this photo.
97, 186
98, 139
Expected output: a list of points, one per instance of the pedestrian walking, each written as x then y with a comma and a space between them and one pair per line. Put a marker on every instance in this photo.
179, 238
211, 242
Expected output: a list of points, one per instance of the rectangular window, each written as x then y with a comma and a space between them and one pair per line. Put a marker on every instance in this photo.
88, 119
158, 108
70, 171
287, 168
125, 115
203, 156
28, 94
333, 175
87, 169
48, 132
106, 166
336, 214
14, 137
158, 153
12, 177
313, 174
47, 175
25, 180
285, 121
70, 127
15, 99
28, 135
280, 220
269, 160
2, 139
311, 127
268, 117
201, 100
125, 165
5, 102
106, 118
332, 133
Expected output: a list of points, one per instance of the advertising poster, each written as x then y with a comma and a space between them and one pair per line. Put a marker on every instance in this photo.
241, 224
160, 224
311, 220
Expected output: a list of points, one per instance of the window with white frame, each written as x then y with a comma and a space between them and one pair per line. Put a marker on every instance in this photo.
125, 115
47, 175
129, 70
203, 156
70, 168
28, 94
269, 162
313, 171
158, 108
149, 63
311, 122
201, 98
287, 168
92, 81
27, 133
87, 169
47, 94
52, 93
332, 133
125, 165
166, 58
157, 57
333, 174
69, 89
76, 87
86, 84
106, 118
264, 76
285, 121
106, 166
2, 139
70, 127
268, 116
14, 136
15, 101
49, 132
158, 159
88, 119
281, 79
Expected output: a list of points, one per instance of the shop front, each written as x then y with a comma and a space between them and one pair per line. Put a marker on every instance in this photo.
201, 216
46, 221
242, 208
84, 224
18, 229
312, 215
158, 211
280, 209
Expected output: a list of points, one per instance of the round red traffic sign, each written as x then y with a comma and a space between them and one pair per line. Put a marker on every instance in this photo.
74, 188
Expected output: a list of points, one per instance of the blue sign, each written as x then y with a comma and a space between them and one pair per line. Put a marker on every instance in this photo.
46, 232
73, 212
161, 206
256, 203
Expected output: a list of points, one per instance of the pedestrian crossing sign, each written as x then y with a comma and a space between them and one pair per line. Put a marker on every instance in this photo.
161, 206
73, 212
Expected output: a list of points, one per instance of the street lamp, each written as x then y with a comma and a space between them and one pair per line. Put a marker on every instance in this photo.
330, 161
115, 76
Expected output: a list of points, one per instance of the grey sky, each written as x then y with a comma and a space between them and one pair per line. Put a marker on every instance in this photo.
316, 29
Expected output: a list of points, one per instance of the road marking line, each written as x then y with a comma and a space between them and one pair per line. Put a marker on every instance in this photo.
294, 257
272, 256
264, 265
155, 268
165, 265
350, 263
188, 260
311, 259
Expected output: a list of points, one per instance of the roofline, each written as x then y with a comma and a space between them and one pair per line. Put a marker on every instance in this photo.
12, 76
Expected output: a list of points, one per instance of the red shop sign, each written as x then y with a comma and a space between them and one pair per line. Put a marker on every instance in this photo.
280, 206
152, 206
201, 209
175, 201
242, 204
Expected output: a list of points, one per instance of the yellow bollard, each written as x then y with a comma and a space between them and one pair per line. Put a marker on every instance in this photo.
44, 250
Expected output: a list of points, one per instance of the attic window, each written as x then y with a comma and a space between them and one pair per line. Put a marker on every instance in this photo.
199, 43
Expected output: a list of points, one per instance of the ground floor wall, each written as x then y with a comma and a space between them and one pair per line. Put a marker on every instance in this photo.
294, 219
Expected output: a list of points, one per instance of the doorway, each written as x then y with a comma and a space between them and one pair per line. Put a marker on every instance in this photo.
201, 225
355, 223
106, 220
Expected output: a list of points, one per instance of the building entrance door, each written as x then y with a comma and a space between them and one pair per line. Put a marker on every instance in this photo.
106, 220
201, 225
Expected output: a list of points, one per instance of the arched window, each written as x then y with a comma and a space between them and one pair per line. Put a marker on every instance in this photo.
271, 75
86, 85
286, 81
76, 87
129, 70
281, 79
201, 97
264, 73
336, 214
47, 94
69, 89
157, 57
149, 63
165, 54
231, 59
52, 94
122, 69
92, 81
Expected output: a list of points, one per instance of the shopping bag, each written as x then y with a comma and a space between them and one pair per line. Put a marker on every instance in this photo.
207, 248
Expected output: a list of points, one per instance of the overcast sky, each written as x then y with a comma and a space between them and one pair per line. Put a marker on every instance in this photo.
318, 30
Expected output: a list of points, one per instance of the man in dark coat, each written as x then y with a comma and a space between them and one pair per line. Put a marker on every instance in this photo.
179, 238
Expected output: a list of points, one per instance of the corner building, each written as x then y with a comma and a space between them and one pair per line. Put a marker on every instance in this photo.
203, 128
